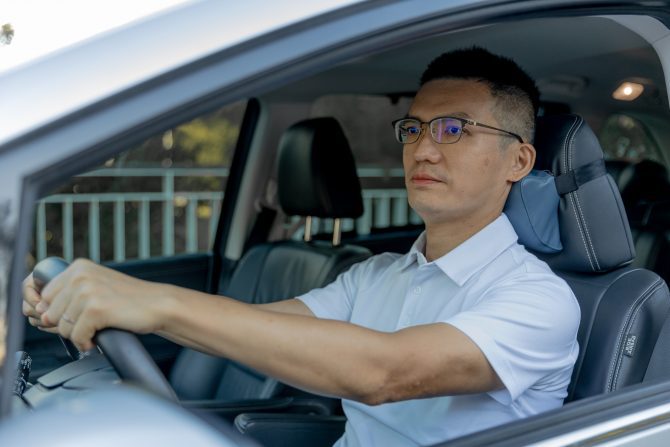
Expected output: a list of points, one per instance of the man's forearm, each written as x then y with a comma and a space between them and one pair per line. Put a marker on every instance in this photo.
290, 306
322, 356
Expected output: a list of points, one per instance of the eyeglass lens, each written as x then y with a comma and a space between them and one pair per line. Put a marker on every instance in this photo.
443, 130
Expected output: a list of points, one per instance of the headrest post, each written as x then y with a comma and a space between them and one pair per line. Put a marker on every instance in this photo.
337, 232
308, 229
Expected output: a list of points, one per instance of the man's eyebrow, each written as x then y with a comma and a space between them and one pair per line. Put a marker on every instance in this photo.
460, 115
451, 115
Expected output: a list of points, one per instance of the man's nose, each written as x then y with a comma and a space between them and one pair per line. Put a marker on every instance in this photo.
426, 149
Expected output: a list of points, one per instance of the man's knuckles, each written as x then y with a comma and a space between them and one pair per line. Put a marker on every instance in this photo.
29, 310
35, 321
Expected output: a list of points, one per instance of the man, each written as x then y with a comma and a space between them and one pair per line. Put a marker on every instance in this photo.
466, 331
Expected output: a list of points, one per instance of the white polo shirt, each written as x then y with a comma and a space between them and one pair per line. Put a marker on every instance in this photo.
522, 316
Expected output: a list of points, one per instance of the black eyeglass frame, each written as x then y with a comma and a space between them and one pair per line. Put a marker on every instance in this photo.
464, 122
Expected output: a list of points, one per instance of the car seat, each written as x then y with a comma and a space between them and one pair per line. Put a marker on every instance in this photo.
623, 308
317, 177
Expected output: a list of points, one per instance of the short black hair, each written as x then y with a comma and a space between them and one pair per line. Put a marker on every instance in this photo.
515, 91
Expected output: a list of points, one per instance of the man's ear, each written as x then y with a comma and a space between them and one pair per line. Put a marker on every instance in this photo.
523, 162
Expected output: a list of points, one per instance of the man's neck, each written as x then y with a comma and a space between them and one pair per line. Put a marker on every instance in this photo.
441, 238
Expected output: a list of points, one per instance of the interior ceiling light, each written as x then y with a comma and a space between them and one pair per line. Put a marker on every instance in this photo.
628, 91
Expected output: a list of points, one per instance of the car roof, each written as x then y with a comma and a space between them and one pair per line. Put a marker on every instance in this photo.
70, 79
588, 58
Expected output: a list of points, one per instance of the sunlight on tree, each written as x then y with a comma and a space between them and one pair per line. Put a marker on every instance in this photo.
208, 143
7, 34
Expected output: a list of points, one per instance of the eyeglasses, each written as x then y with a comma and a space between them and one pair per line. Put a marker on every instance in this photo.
443, 130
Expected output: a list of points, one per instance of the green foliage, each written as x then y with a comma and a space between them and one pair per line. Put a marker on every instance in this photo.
6, 34
207, 141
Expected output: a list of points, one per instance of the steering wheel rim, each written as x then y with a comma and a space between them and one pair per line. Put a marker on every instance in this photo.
123, 349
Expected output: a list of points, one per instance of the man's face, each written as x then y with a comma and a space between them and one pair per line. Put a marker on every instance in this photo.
466, 181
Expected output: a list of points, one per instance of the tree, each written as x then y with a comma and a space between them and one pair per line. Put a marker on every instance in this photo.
7, 34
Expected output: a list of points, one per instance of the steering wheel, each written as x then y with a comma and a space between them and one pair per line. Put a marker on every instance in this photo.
122, 348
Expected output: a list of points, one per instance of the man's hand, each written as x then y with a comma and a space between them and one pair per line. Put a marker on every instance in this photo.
31, 300
88, 297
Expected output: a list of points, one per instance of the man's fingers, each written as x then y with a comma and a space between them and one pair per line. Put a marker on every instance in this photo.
31, 296
82, 335
29, 310
51, 330
55, 311
30, 293
39, 325
69, 318
34, 321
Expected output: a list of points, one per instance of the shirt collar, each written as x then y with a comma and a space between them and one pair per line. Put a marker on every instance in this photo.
470, 256
415, 253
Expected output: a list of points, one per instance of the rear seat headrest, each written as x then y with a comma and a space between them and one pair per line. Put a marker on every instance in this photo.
646, 181
592, 220
317, 173
620, 171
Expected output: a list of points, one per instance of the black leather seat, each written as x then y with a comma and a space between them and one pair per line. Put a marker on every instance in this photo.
317, 177
623, 308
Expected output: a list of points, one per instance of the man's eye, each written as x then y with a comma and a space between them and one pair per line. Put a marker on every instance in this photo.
412, 130
452, 130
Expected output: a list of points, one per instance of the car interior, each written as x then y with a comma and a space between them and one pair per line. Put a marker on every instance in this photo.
297, 211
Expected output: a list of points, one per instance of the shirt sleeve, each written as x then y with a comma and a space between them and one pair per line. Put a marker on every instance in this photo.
527, 330
336, 300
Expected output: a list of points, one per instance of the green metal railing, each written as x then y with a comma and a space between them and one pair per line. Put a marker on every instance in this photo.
383, 208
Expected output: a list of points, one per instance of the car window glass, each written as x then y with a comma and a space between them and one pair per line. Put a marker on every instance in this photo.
366, 121
626, 138
159, 198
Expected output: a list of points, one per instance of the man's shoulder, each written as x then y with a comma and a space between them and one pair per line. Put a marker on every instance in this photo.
383, 261
521, 261
378, 267
523, 274
519, 268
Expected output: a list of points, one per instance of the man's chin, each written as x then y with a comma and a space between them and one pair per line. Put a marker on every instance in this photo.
437, 213
430, 212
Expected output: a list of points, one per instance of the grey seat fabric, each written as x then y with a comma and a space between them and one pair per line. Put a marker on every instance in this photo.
317, 177
623, 307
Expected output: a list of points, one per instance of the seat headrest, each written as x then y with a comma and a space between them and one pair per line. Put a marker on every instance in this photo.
592, 219
650, 216
532, 209
317, 172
